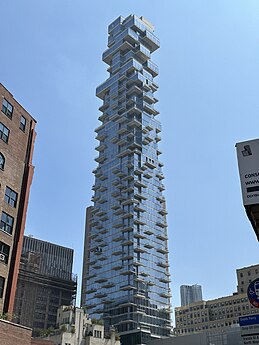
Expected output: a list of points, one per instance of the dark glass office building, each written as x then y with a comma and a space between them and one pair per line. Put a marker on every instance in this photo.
127, 278
45, 282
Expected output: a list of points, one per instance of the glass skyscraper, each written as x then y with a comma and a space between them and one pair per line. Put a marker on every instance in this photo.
127, 275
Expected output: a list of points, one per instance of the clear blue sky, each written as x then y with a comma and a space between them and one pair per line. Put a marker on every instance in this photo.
209, 74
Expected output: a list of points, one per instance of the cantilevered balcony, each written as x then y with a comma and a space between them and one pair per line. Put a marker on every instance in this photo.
150, 109
134, 123
138, 234
124, 153
119, 46
148, 96
162, 250
100, 159
127, 35
142, 52
134, 89
162, 224
165, 295
103, 117
162, 264
152, 68
151, 40
165, 280
100, 147
162, 237
101, 136
127, 229
104, 106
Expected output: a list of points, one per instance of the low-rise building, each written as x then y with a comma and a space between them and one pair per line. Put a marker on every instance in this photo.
14, 334
75, 328
230, 336
219, 313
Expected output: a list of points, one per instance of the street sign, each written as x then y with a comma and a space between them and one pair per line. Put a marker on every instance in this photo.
253, 292
249, 325
248, 164
251, 340
249, 320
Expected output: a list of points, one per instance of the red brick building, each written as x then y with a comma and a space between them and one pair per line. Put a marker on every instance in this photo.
17, 135
14, 334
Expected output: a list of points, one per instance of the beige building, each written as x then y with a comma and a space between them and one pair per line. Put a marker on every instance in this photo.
75, 328
219, 313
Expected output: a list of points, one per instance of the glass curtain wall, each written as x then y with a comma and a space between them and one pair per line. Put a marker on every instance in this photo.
128, 278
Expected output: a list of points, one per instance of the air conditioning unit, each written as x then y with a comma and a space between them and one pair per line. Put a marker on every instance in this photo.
2, 257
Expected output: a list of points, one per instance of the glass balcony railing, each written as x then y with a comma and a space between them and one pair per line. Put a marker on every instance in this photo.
152, 68
152, 38
101, 89
127, 35
144, 52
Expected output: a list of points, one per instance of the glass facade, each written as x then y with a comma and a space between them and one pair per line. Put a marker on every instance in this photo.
190, 294
128, 278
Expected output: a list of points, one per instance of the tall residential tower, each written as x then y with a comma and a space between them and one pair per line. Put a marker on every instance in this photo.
128, 279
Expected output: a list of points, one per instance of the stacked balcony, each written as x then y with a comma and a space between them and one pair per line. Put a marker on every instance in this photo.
120, 227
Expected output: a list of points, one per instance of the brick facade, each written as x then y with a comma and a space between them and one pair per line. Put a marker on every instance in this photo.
13, 334
17, 135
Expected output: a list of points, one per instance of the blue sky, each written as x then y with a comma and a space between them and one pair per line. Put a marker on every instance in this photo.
209, 72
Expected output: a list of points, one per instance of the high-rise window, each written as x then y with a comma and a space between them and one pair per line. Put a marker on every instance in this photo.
2, 281
4, 133
4, 252
22, 123
7, 108
2, 161
10, 196
6, 223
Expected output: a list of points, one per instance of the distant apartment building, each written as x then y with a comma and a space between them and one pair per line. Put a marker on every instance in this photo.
218, 313
190, 294
17, 135
45, 282
74, 327
245, 276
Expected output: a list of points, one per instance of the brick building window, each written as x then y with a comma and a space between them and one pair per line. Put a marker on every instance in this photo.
10, 197
4, 252
2, 161
2, 281
7, 108
4, 133
6, 223
23, 123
